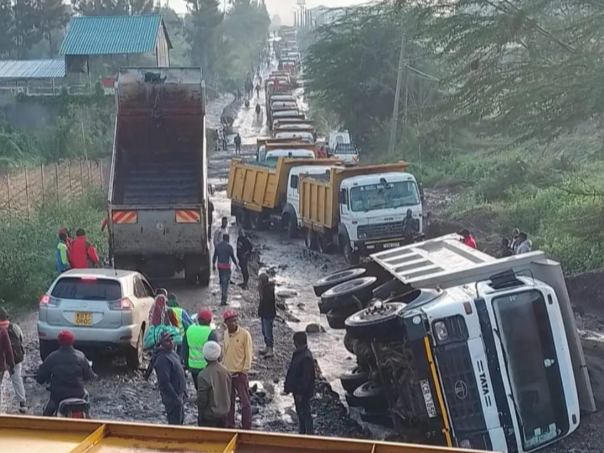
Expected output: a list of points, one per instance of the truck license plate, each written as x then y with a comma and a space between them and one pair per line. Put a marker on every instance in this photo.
83, 319
391, 245
425, 385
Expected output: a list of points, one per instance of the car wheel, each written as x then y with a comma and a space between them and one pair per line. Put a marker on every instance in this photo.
335, 279
361, 288
371, 397
336, 317
134, 356
377, 321
353, 379
46, 348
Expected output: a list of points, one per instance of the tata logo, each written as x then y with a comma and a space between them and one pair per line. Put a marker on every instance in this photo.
461, 390
484, 384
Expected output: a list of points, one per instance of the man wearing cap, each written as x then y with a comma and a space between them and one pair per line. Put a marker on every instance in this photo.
213, 389
170, 379
66, 369
238, 361
194, 340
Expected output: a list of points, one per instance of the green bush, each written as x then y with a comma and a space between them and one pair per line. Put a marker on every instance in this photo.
27, 245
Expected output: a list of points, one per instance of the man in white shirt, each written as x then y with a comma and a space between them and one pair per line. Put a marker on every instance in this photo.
220, 232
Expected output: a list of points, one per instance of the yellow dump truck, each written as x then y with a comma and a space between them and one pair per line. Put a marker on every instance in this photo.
360, 210
264, 193
60, 435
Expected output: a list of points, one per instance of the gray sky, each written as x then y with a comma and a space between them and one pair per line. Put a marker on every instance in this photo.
285, 8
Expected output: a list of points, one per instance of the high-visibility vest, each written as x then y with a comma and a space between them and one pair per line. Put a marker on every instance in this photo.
178, 318
197, 337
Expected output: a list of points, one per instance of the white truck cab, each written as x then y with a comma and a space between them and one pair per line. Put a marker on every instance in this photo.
293, 184
373, 209
502, 367
337, 138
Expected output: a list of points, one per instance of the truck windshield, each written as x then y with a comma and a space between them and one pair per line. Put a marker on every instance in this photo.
384, 196
532, 367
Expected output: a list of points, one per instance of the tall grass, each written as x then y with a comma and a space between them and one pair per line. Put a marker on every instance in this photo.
28, 244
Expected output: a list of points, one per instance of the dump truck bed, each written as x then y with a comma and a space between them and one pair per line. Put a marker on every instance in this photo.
60, 435
258, 186
319, 197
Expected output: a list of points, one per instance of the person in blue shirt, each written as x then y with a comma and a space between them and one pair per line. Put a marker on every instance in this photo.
62, 254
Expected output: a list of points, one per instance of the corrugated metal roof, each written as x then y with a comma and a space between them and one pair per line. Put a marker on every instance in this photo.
110, 35
32, 69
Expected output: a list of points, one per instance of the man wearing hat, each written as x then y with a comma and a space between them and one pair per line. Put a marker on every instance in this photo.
238, 361
66, 369
213, 389
170, 379
194, 340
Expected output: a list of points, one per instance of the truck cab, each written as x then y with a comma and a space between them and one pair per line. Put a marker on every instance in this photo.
495, 358
293, 184
373, 209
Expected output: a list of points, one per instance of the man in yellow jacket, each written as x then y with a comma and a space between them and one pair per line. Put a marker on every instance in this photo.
238, 354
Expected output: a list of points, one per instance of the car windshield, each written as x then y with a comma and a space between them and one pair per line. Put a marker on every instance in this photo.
532, 366
87, 289
384, 196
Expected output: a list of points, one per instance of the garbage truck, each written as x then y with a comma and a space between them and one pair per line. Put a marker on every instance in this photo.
461, 349
158, 195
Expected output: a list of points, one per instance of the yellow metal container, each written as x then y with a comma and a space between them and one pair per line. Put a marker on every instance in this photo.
258, 187
319, 198
60, 435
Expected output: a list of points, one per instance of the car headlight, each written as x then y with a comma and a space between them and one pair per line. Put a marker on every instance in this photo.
440, 328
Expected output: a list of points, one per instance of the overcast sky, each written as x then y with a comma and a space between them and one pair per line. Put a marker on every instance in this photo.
285, 8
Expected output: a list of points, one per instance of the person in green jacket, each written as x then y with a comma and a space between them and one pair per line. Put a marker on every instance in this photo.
194, 340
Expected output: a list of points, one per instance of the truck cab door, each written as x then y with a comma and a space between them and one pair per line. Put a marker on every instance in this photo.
293, 196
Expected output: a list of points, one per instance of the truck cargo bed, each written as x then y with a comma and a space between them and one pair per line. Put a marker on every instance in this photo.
160, 182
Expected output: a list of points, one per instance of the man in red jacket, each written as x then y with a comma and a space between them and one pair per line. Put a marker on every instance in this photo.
83, 253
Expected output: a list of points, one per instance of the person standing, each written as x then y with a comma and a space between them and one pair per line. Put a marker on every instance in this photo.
237, 141
66, 369
83, 254
267, 311
467, 238
515, 242
525, 245
7, 358
194, 340
214, 389
171, 379
15, 335
506, 250
62, 254
244, 253
238, 353
300, 381
223, 255
220, 232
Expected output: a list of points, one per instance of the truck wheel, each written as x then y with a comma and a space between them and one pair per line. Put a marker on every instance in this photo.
335, 279
353, 379
134, 356
204, 276
292, 226
361, 288
349, 343
350, 256
323, 244
242, 218
336, 317
378, 321
310, 239
256, 221
191, 273
371, 396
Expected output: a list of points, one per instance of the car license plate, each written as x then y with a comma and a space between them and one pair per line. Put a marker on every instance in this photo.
425, 385
83, 319
391, 245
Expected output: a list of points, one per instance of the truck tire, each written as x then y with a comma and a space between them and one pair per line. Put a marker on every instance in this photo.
310, 239
242, 218
352, 401
371, 397
353, 379
349, 343
378, 321
335, 279
350, 256
336, 317
361, 288
292, 226
205, 273
191, 272
256, 222
323, 243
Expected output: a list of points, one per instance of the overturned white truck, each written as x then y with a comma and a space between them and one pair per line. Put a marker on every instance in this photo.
461, 349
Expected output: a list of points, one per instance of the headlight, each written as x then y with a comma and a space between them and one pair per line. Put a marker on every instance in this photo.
465, 444
442, 334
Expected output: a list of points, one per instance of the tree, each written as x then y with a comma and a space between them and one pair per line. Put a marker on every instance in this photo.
54, 15
113, 7
26, 31
203, 34
6, 32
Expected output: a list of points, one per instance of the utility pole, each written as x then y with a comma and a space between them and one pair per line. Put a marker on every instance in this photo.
397, 95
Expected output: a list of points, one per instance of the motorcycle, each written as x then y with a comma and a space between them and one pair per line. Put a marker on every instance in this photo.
74, 408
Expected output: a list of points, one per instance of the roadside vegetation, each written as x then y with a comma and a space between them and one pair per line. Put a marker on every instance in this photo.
499, 111
27, 245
